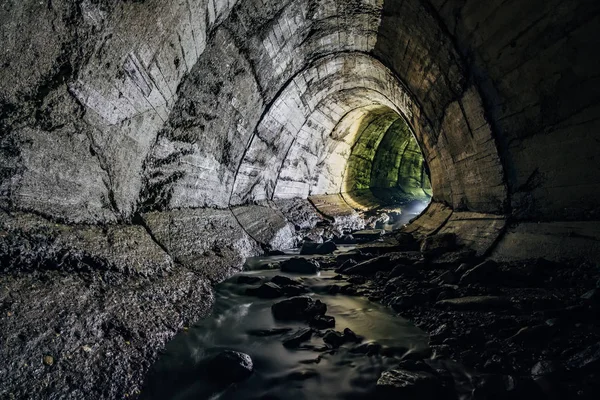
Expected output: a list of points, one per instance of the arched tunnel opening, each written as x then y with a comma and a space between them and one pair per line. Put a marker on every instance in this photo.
245, 199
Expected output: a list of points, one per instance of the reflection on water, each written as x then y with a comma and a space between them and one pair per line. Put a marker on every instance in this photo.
280, 372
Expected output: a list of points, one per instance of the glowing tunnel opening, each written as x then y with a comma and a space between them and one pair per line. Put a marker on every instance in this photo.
385, 165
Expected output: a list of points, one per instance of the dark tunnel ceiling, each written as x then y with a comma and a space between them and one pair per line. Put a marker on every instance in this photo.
219, 103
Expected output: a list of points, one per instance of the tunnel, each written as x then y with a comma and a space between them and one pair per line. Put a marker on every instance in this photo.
150, 148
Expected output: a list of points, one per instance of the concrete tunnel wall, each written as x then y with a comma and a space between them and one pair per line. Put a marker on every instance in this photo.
121, 108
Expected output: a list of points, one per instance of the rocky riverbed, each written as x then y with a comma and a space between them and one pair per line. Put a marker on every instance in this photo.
527, 330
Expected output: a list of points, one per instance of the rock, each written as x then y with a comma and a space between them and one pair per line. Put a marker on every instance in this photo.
440, 333
334, 339
483, 273
369, 349
298, 337
475, 303
249, 279
346, 265
290, 290
402, 384
400, 303
333, 289
299, 308
350, 336
322, 321
370, 267
546, 368
586, 359
462, 268
380, 222
357, 280
593, 296
300, 266
528, 334
436, 245
230, 366
406, 271
310, 248
283, 280
268, 332
48, 360
447, 278
267, 290
368, 234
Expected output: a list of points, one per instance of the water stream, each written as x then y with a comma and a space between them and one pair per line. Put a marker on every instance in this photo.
282, 373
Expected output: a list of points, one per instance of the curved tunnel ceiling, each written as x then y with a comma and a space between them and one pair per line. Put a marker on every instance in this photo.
169, 105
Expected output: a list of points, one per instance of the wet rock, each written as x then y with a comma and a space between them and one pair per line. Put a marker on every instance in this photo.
334, 339
529, 334
593, 296
462, 268
311, 248
586, 359
369, 267
267, 290
300, 265
268, 332
350, 336
334, 289
369, 349
447, 278
436, 245
440, 333
406, 271
299, 308
483, 273
248, 279
400, 303
357, 280
297, 338
284, 280
346, 265
230, 366
291, 290
546, 368
475, 303
369, 234
322, 322
399, 383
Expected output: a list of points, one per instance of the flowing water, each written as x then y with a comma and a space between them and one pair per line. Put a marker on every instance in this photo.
282, 373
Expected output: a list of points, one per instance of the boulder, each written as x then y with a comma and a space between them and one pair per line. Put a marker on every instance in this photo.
334, 339
586, 359
311, 248
283, 280
230, 366
485, 272
322, 321
299, 265
267, 290
297, 338
402, 384
300, 308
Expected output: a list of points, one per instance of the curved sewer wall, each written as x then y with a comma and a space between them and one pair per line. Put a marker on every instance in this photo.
149, 147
